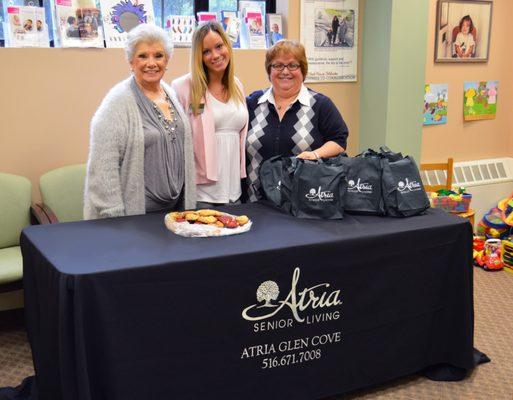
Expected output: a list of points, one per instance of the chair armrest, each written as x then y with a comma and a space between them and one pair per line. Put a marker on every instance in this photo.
43, 214
49, 213
37, 215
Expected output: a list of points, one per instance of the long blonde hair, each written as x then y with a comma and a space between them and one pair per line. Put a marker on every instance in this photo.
200, 73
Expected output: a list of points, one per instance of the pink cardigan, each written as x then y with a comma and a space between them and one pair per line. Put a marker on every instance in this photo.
203, 130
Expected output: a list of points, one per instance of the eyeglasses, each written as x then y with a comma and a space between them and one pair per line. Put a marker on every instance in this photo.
280, 67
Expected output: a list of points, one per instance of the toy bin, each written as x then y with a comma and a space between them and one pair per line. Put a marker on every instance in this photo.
452, 203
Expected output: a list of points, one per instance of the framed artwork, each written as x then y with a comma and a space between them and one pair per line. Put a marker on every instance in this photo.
462, 32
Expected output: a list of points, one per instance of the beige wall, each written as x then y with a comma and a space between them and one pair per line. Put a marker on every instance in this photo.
475, 139
49, 96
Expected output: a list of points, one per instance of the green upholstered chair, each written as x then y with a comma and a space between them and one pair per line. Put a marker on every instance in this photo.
62, 192
15, 195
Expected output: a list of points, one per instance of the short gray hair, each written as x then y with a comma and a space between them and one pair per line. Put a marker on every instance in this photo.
148, 33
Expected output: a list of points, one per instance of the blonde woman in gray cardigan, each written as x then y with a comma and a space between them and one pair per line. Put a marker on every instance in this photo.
141, 155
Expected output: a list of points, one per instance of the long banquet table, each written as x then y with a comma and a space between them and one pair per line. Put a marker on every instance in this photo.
125, 309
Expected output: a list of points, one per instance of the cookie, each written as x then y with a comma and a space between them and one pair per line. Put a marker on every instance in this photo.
176, 215
242, 219
208, 213
207, 220
191, 216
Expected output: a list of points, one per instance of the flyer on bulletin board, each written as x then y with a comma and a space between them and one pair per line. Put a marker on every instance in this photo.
329, 32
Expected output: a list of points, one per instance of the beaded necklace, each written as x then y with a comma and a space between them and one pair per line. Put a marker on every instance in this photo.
171, 124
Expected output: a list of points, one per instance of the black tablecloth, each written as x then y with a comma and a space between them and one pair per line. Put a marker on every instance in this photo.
124, 309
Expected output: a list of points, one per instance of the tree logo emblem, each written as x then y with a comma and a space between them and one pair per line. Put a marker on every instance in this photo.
296, 300
267, 292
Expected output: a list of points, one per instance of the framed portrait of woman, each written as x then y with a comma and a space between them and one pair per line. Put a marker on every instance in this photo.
462, 32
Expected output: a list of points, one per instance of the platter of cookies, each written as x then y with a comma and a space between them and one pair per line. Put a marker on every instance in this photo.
206, 223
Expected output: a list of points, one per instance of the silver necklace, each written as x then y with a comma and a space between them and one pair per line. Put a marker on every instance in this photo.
169, 125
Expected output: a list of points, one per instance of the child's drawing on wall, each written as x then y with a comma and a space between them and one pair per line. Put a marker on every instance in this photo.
480, 100
435, 103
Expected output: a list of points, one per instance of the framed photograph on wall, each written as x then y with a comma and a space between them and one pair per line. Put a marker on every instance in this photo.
462, 32
443, 15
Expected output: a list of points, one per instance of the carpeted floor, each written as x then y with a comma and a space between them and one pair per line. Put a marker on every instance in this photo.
494, 336
15, 354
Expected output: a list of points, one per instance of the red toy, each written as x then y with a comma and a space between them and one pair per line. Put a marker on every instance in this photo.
487, 254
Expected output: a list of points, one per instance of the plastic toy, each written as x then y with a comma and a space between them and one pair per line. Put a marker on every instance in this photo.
448, 200
487, 254
507, 252
493, 254
498, 222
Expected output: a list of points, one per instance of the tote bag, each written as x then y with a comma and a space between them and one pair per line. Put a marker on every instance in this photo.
271, 172
364, 185
403, 192
317, 189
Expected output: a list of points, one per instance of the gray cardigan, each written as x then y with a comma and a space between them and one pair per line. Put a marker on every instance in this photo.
115, 169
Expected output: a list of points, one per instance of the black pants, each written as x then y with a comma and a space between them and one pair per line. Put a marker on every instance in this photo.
335, 29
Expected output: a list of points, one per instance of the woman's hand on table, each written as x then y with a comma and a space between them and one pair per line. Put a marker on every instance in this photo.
308, 155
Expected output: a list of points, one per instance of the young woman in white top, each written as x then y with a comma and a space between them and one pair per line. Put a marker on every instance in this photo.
214, 100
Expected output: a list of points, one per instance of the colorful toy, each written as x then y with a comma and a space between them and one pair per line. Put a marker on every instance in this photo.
478, 248
507, 252
448, 200
498, 222
493, 254
506, 207
487, 254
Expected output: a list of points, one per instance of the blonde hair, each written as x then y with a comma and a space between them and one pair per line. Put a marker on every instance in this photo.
200, 73
287, 47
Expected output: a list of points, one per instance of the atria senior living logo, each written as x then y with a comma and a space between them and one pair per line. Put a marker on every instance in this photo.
297, 301
319, 195
358, 186
407, 186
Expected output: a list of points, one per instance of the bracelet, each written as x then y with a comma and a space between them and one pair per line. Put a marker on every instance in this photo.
316, 155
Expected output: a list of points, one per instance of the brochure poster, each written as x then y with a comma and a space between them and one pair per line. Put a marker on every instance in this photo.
329, 31
255, 28
205, 16
77, 26
181, 28
274, 28
244, 6
26, 27
121, 16
231, 25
